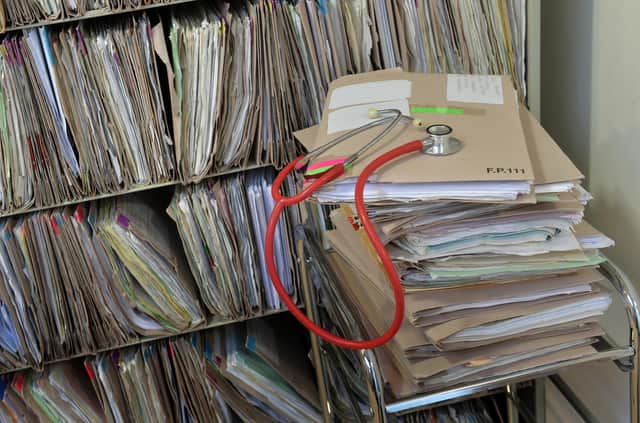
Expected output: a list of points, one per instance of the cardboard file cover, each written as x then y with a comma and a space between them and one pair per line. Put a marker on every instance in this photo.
550, 164
492, 134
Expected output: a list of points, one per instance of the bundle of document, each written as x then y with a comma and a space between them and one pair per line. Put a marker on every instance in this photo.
117, 122
57, 302
88, 277
498, 266
267, 370
82, 114
152, 271
229, 374
222, 224
61, 392
337, 38
38, 164
198, 43
235, 98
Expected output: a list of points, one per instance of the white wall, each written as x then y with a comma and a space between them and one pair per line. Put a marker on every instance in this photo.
591, 105
590, 101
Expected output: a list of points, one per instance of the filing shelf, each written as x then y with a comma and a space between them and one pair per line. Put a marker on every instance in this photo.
212, 322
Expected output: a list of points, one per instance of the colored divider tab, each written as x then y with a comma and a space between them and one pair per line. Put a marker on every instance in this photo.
123, 221
251, 343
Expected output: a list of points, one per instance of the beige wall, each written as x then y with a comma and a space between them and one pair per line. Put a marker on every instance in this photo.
590, 101
591, 105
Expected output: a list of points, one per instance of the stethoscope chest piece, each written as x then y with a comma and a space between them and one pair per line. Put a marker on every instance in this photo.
439, 141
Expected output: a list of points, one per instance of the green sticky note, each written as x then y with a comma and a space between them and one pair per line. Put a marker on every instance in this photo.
438, 110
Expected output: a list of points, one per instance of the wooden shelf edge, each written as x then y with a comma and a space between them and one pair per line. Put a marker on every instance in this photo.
133, 190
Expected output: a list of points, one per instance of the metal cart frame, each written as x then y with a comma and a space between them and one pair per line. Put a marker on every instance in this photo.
625, 357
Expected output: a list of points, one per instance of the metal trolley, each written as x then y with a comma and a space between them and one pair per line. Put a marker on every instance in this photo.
336, 366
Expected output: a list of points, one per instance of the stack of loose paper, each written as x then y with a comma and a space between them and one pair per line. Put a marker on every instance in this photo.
468, 331
222, 225
188, 378
453, 242
492, 285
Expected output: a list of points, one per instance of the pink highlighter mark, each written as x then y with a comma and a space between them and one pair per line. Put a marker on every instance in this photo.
321, 167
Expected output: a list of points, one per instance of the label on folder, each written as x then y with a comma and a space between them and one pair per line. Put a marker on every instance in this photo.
485, 89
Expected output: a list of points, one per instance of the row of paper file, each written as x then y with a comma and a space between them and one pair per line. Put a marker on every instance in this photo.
29, 12
498, 267
82, 114
258, 92
83, 108
87, 277
222, 375
448, 36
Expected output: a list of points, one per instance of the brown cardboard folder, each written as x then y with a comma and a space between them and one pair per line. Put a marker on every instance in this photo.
494, 142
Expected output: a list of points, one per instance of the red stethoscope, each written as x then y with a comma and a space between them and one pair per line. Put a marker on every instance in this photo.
437, 143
